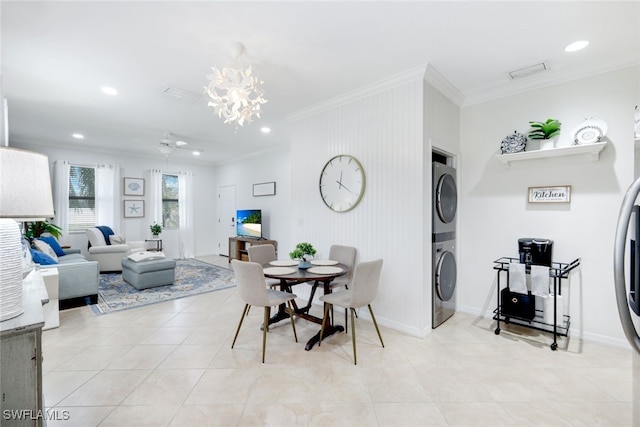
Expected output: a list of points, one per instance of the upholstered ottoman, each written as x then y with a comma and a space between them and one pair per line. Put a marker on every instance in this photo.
148, 273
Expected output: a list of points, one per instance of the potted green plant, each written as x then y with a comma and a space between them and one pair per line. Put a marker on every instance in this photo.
304, 251
546, 132
36, 229
156, 229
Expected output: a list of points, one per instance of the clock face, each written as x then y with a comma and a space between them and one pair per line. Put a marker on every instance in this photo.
342, 183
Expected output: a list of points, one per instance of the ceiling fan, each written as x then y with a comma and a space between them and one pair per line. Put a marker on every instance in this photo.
169, 144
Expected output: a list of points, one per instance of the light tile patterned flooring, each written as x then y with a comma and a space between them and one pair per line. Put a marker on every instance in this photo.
171, 364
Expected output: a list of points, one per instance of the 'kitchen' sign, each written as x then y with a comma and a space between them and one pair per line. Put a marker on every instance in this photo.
560, 194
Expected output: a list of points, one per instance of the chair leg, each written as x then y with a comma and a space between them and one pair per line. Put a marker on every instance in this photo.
244, 313
345, 310
293, 324
264, 330
346, 323
324, 320
353, 335
375, 324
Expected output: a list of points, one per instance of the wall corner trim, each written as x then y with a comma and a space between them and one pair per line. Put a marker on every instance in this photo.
437, 80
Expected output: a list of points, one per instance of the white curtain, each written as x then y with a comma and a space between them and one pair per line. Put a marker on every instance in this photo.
107, 193
155, 195
61, 170
185, 202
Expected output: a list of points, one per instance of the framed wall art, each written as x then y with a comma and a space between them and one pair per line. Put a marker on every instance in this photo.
264, 189
134, 208
558, 194
134, 186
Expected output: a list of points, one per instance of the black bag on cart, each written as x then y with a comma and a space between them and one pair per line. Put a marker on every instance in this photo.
518, 305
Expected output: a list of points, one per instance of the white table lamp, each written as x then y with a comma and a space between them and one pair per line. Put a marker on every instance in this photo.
25, 195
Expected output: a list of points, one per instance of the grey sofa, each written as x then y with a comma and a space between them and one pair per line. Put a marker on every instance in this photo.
77, 278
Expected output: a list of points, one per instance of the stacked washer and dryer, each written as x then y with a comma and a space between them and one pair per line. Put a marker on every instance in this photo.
445, 204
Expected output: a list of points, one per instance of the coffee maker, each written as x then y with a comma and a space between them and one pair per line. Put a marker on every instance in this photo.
535, 251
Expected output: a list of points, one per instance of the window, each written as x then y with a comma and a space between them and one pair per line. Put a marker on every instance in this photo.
170, 204
82, 198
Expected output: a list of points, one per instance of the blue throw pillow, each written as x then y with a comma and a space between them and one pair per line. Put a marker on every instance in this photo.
42, 258
53, 243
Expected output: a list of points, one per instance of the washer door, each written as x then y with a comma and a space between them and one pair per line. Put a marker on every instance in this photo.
446, 198
446, 276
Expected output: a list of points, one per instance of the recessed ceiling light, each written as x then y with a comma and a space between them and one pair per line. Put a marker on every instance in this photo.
265, 129
109, 90
575, 46
78, 136
196, 153
180, 143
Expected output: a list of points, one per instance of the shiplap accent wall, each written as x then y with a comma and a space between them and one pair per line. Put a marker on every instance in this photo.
384, 130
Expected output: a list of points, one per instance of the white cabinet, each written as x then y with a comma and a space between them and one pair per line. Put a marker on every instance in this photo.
21, 402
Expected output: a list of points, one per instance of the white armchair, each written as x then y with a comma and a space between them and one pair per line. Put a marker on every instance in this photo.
109, 256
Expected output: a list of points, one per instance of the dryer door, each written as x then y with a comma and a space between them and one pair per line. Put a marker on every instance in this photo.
446, 276
446, 198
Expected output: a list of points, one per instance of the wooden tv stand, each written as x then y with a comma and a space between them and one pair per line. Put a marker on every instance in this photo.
238, 246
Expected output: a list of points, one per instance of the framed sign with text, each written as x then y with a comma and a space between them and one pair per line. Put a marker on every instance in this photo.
558, 194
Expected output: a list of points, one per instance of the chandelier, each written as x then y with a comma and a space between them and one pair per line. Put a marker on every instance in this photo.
235, 92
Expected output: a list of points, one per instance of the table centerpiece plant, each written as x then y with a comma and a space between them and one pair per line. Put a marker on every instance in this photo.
304, 252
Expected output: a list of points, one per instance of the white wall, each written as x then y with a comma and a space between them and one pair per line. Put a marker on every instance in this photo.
205, 187
384, 132
276, 210
494, 211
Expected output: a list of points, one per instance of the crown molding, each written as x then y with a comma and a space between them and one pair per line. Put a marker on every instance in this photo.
400, 79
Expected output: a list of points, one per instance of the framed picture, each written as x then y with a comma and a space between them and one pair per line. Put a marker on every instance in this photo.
264, 189
559, 194
134, 208
134, 186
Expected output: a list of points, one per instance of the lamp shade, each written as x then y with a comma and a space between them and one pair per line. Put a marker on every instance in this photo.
25, 185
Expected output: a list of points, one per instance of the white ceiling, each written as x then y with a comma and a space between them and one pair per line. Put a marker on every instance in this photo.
57, 55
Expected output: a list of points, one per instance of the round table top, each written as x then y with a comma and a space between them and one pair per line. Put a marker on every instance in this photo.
317, 272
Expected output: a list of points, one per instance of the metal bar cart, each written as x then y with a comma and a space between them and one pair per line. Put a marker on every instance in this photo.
557, 271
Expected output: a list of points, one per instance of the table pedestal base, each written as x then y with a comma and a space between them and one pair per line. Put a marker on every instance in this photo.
328, 331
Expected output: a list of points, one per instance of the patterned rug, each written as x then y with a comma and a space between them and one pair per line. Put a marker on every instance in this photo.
193, 277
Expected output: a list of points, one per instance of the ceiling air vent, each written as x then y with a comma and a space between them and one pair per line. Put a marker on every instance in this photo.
181, 93
528, 71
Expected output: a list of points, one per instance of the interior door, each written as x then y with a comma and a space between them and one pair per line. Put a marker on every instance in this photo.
226, 217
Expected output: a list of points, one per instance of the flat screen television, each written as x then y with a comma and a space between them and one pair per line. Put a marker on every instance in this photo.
249, 223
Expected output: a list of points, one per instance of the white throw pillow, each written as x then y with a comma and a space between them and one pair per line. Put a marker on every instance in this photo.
117, 239
46, 248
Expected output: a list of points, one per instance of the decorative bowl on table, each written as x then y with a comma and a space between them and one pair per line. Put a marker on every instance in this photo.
303, 265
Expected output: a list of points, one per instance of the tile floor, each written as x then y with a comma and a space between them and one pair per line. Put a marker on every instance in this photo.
171, 364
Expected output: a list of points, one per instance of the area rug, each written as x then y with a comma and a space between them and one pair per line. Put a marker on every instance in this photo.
193, 277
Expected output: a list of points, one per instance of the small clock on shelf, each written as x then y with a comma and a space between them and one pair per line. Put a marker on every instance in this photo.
342, 183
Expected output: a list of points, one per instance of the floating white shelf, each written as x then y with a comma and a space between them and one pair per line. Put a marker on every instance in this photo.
593, 150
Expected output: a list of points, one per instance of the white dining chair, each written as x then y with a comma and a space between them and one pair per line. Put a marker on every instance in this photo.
250, 281
345, 255
362, 291
263, 254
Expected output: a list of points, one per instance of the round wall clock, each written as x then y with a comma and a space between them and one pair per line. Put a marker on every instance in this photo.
342, 183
